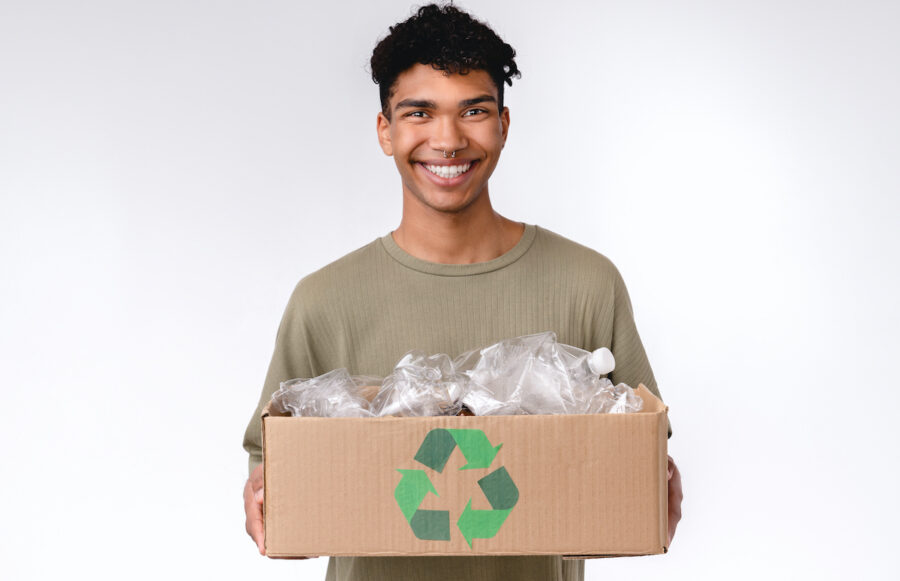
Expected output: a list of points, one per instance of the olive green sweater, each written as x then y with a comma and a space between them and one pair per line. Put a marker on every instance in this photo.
367, 309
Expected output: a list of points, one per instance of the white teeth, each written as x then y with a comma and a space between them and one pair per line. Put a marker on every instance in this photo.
448, 171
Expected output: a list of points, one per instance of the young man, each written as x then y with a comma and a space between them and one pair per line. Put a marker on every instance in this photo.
455, 275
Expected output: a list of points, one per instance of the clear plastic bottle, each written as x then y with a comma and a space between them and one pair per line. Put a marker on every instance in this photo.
532, 374
588, 363
420, 385
335, 394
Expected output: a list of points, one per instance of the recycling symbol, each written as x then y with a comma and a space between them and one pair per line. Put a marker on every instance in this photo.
498, 487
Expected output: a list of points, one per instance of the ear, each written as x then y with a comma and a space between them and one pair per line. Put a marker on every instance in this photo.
383, 128
504, 124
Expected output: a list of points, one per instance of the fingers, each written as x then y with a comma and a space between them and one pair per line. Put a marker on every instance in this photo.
675, 498
253, 508
258, 534
256, 477
256, 530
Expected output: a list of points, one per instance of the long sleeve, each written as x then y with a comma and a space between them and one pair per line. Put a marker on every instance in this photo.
290, 359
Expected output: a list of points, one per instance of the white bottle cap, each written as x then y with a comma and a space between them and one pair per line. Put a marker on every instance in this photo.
602, 361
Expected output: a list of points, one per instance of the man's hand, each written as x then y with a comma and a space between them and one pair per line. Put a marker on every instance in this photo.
253, 506
675, 498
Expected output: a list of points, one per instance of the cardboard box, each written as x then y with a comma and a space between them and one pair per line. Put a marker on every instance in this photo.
571, 485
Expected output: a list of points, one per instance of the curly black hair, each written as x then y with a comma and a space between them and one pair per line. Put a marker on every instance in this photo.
449, 40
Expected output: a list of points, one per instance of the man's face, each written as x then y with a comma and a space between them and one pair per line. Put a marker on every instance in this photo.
432, 112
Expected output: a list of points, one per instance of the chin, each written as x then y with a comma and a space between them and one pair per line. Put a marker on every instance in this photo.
454, 206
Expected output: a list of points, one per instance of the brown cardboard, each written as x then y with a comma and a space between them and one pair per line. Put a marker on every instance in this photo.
588, 485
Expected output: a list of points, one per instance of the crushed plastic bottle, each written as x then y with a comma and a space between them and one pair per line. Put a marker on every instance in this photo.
535, 374
420, 385
613, 399
335, 394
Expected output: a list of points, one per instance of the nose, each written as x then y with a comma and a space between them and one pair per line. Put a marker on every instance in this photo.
448, 136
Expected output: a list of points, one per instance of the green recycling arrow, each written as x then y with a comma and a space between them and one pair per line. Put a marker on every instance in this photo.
476, 447
498, 487
412, 490
439, 444
426, 524
480, 524
502, 493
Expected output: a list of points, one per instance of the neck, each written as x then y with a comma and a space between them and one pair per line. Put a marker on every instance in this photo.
474, 234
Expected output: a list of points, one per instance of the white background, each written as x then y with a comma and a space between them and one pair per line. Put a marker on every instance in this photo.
169, 170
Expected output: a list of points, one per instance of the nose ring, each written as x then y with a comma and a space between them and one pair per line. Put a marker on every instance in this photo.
452, 154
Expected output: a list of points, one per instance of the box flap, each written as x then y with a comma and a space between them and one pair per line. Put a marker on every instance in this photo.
271, 409
652, 404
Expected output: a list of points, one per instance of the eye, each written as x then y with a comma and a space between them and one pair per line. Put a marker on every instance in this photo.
416, 114
474, 111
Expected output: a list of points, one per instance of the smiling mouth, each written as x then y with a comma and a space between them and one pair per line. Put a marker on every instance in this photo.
449, 171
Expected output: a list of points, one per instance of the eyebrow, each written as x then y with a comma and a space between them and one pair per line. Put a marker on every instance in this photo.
425, 104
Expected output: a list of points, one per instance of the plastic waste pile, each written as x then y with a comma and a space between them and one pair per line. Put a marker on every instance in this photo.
532, 374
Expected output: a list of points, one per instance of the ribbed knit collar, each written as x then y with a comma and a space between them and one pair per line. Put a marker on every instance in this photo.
410, 261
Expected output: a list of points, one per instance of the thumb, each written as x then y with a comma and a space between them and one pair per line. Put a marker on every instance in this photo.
258, 495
